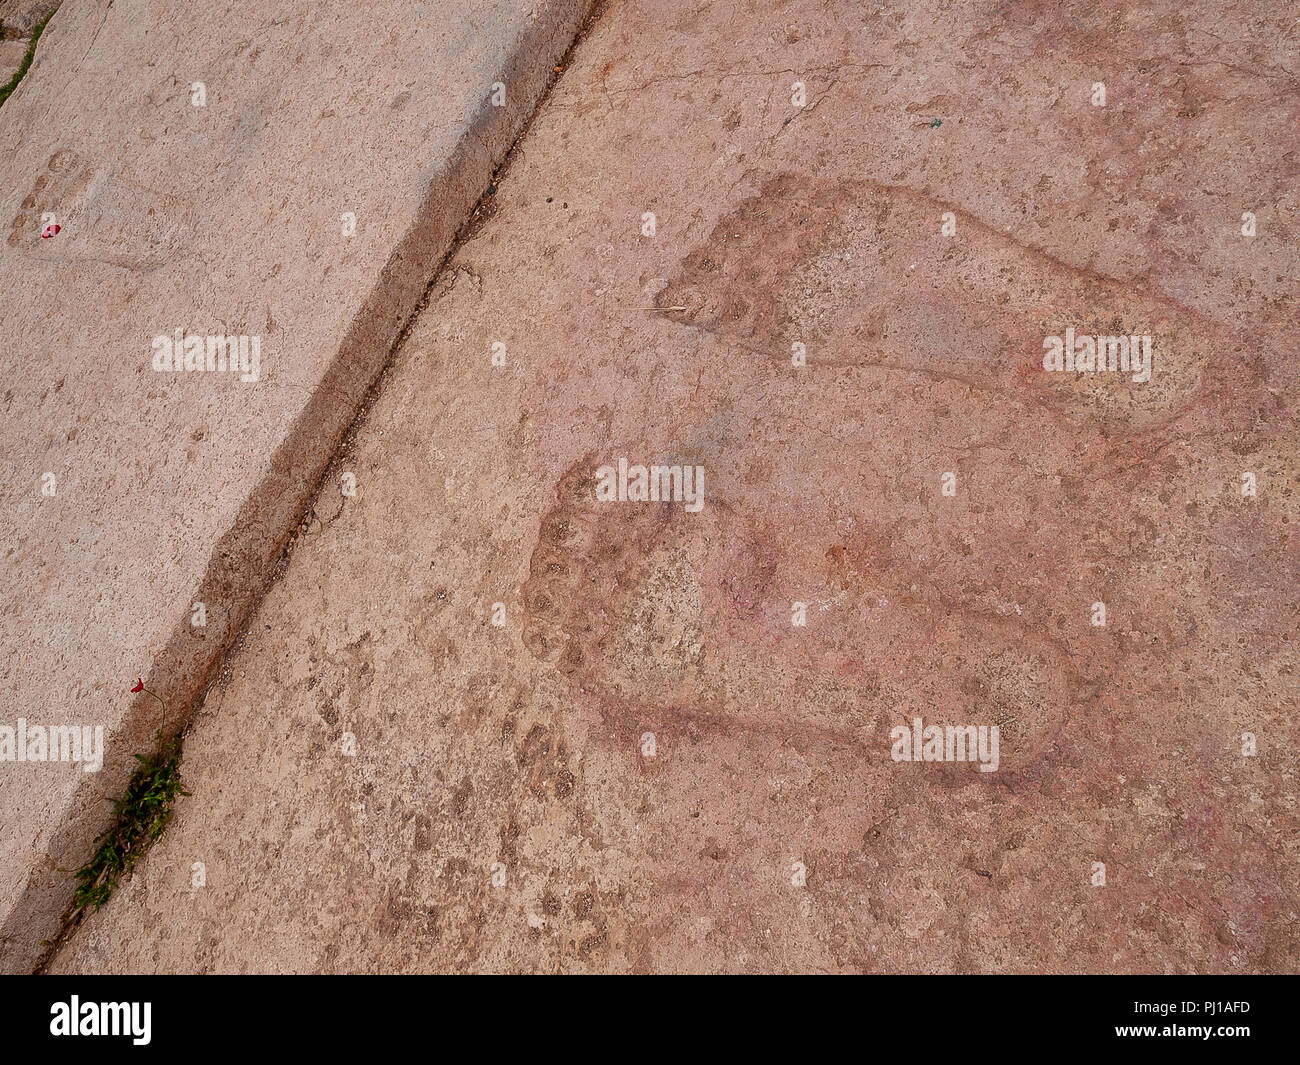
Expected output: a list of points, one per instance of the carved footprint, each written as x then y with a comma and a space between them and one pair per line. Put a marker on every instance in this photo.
649, 608
101, 216
860, 273
57, 190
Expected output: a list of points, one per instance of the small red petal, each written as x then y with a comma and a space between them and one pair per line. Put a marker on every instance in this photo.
49, 231
139, 684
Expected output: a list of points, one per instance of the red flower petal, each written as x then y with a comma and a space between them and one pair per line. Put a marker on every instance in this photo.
50, 230
139, 684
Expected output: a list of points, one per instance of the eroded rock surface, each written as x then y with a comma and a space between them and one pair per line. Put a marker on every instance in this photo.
290, 175
648, 766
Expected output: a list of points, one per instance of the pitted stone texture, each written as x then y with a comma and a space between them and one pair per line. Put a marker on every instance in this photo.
22, 16
635, 628
224, 219
11, 58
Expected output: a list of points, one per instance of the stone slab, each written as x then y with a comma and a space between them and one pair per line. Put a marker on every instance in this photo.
291, 173
649, 767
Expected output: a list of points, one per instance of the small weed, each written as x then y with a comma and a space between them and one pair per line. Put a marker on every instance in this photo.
142, 815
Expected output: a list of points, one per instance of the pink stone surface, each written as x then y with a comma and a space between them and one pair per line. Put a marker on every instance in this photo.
166, 490
499, 812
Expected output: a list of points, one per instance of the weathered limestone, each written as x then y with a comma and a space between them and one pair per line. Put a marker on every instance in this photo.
289, 171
